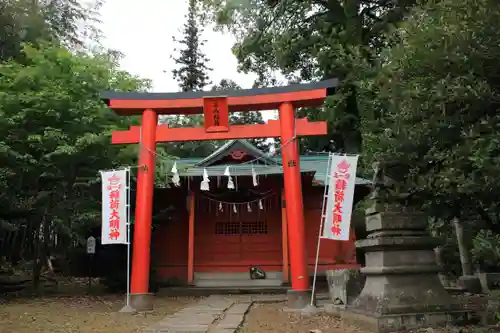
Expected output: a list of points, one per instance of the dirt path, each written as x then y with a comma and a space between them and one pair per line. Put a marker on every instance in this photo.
81, 315
264, 318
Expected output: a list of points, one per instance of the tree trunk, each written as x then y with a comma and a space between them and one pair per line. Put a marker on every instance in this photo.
37, 267
41, 249
462, 248
353, 139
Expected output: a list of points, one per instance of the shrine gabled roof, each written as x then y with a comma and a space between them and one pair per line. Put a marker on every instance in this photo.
235, 145
313, 164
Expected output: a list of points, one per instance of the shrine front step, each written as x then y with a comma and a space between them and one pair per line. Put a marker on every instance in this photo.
272, 275
217, 283
207, 291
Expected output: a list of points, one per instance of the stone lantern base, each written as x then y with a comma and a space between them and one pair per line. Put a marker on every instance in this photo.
402, 288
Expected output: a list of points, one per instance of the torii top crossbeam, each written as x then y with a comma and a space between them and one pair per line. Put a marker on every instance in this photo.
215, 106
300, 95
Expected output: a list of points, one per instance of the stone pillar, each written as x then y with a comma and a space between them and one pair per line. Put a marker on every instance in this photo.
402, 288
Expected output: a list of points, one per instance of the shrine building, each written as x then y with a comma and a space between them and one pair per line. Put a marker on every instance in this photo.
219, 232
211, 238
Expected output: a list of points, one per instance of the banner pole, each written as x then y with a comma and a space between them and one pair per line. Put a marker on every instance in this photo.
128, 238
321, 226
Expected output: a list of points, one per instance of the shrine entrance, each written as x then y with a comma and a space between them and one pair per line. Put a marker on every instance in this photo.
240, 226
231, 237
215, 106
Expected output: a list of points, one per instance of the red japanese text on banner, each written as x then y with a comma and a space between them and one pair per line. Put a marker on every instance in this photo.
340, 199
114, 207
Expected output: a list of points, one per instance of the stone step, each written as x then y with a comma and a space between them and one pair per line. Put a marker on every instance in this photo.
207, 291
234, 276
224, 283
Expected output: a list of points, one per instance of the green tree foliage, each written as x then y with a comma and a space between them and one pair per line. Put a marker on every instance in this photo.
437, 122
192, 75
188, 148
56, 139
243, 118
192, 71
66, 22
310, 40
226, 85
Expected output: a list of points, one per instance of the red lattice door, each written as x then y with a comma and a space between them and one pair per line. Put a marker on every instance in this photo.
235, 238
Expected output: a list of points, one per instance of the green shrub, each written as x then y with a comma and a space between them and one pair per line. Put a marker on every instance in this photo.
486, 250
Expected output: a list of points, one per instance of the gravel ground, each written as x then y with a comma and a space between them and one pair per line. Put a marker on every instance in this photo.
263, 318
82, 314
86, 314
267, 318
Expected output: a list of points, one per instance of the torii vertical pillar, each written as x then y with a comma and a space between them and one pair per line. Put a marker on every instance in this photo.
140, 298
299, 295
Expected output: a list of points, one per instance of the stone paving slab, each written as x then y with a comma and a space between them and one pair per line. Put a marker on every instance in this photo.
187, 327
242, 298
188, 321
231, 321
203, 309
190, 318
222, 330
233, 318
183, 330
239, 309
216, 306
182, 314
216, 299
206, 310
179, 329
269, 298
212, 302
215, 303
196, 318
200, 317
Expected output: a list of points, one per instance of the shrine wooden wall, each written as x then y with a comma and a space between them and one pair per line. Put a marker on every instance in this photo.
170, 248
214, 253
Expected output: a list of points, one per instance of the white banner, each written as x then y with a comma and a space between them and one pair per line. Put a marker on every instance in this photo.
341, 181
114, 207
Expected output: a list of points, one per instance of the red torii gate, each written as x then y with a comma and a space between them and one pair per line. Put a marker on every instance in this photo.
216, 107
